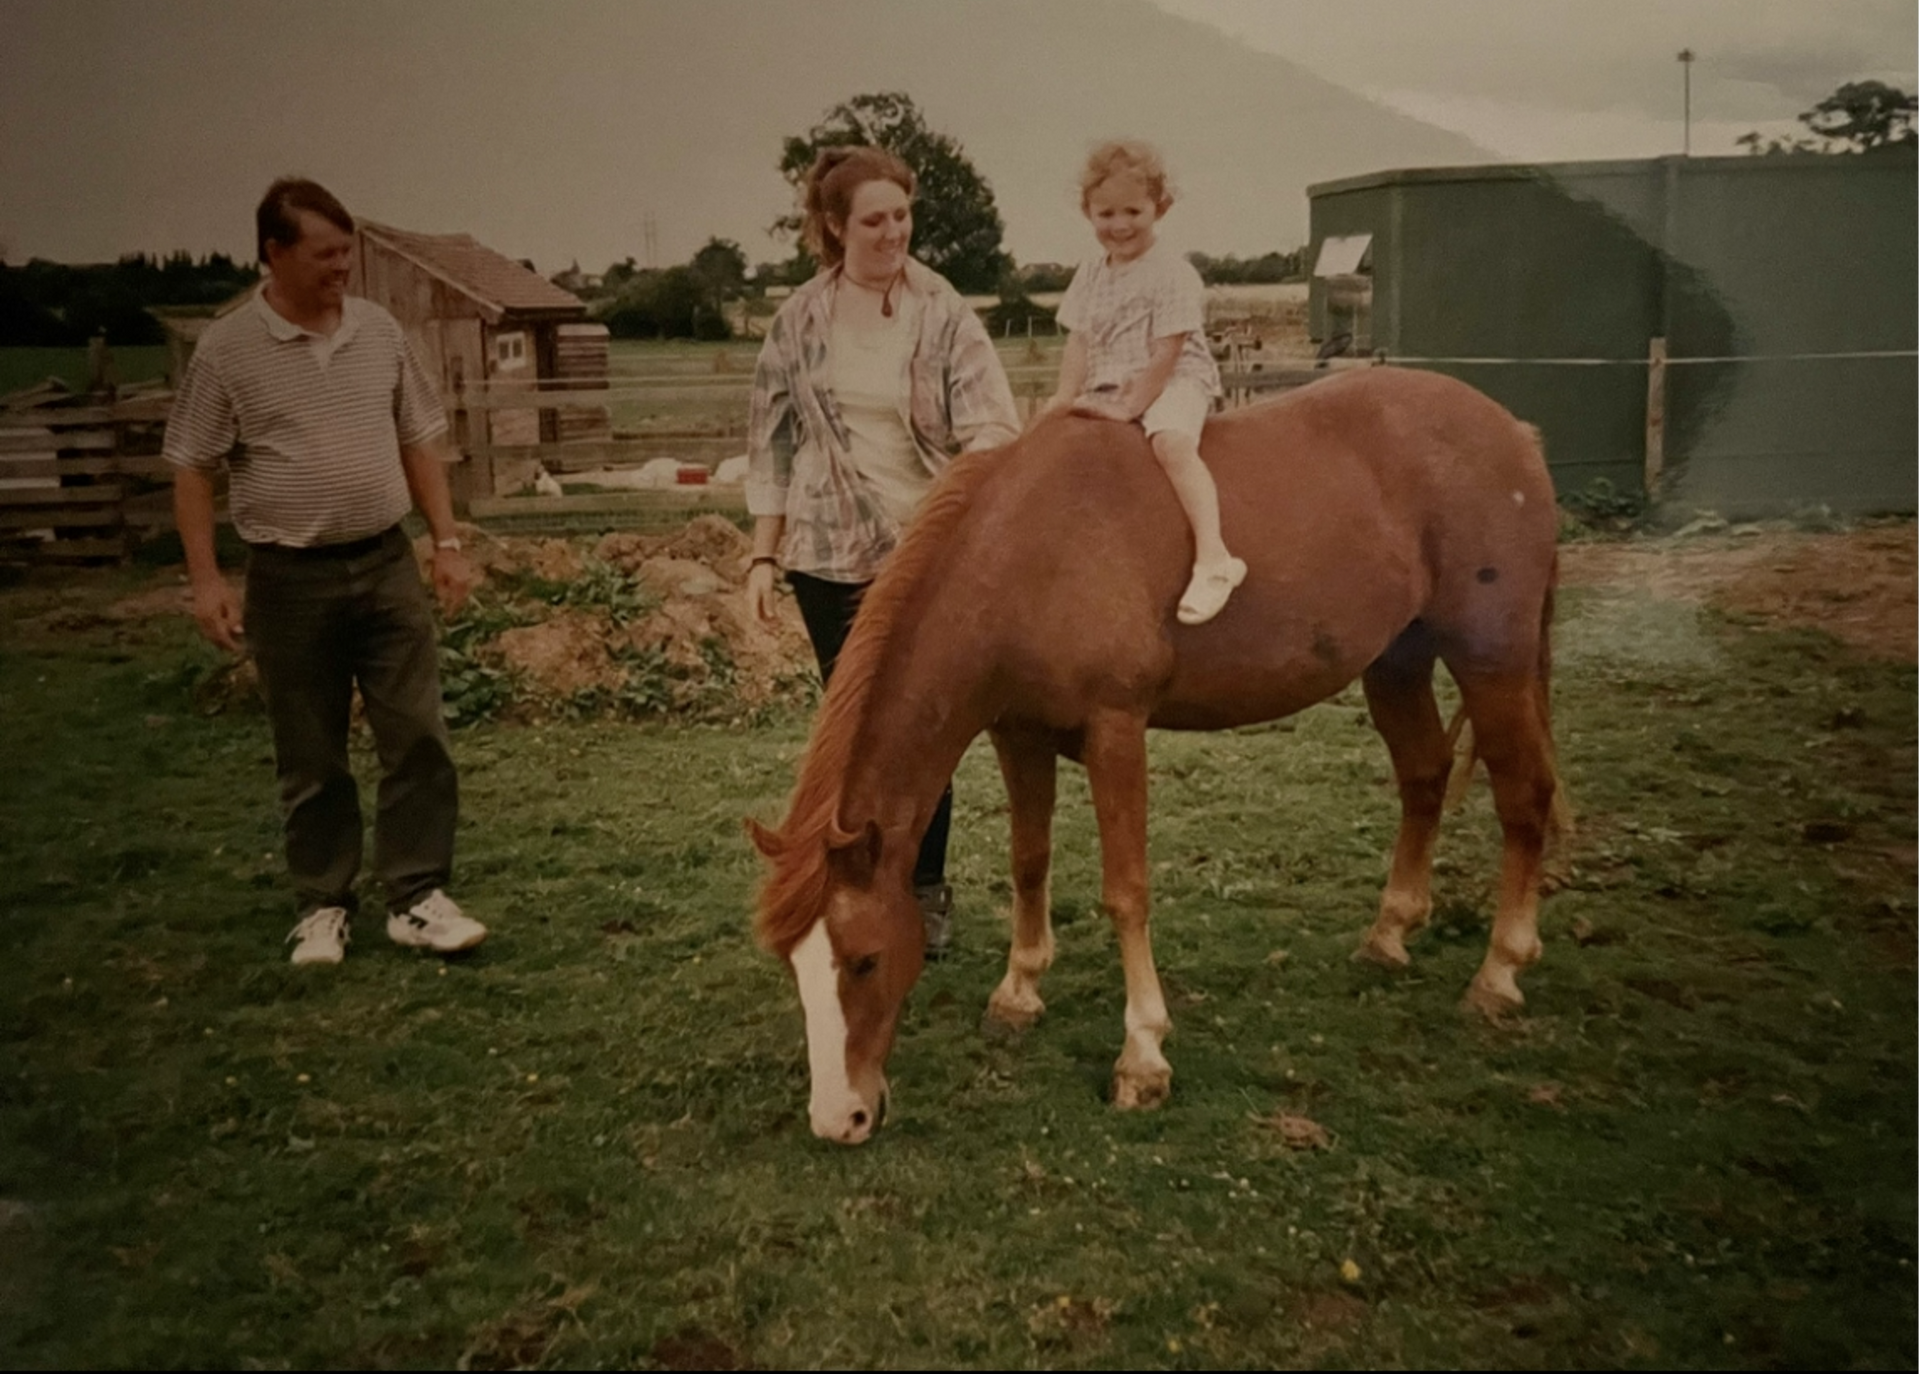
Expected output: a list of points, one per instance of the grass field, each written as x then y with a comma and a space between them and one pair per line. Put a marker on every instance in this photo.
678, 384
587, 1145
23, 367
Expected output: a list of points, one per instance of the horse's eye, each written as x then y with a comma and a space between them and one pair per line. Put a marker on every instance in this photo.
863, 966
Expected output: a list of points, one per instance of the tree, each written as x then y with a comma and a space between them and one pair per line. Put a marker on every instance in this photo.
1859, 117
721, 269
1868, 115
670, 304
956, 226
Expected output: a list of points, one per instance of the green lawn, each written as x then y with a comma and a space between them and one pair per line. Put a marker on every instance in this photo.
587, 1144
23, 367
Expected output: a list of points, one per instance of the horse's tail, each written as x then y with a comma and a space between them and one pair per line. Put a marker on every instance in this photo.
1466, 754
1560, 813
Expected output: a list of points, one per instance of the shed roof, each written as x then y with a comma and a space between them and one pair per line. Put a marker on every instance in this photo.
1739, 164
500, 285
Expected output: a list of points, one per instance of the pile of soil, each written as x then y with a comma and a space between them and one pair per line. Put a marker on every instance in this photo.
690, 627
1857, 585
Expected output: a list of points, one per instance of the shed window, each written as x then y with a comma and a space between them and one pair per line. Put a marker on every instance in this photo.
509, 352
1344, 256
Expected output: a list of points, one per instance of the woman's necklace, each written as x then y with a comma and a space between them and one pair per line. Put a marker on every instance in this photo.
886, 293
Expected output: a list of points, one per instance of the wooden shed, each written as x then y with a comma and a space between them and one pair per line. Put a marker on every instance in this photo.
478, 318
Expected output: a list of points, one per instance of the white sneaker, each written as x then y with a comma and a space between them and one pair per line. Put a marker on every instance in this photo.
436, 924
321, 937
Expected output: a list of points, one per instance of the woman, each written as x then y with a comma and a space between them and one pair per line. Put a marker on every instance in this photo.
874, 374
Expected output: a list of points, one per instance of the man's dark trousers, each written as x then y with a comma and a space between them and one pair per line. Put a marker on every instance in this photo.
318, 621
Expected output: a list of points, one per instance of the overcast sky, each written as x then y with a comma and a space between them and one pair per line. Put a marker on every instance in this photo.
561, 129
1547, 80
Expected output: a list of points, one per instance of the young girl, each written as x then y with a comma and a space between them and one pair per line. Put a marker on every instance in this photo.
1137, 350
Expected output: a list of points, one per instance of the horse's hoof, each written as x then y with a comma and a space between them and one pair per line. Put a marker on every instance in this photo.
1493, 1003
1010, 1015
1388, 951
1141, 1092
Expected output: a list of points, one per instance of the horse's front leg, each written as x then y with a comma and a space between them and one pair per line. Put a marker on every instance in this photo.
1116, 759
1027, 765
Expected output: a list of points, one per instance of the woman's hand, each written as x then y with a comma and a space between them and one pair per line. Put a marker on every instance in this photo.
762, 593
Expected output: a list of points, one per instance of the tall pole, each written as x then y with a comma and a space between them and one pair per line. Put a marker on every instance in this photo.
1686, 117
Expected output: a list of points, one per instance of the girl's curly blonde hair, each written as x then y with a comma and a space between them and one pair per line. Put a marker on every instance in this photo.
1127, 157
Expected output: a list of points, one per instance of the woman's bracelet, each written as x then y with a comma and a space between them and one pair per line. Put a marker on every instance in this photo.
760, 558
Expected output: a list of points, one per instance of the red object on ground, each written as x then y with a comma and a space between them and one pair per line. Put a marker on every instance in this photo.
691, 477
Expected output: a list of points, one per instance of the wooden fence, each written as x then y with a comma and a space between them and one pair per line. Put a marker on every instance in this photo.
82, 479
496, 471
73, 473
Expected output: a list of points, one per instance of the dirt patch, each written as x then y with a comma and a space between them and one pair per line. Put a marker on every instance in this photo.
634, 623
1857, 585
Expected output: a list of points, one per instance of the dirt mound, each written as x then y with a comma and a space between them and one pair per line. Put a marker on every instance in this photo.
1857, 585
628, 623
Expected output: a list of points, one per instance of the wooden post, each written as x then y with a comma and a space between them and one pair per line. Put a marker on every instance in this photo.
473, 431
1656, 414
99, 368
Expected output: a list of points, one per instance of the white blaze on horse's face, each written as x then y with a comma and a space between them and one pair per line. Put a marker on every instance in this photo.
854, 969
839, 1113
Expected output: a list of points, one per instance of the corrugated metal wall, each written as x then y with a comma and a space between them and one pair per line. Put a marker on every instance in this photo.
1723, 257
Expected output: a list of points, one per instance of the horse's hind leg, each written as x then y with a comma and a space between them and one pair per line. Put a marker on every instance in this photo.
1116, 758
1399, 688
1511, 733
1027, 765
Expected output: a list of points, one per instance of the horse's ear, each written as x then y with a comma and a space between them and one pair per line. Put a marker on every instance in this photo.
764, 840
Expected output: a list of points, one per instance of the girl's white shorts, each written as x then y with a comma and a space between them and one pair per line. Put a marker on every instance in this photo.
1181, 408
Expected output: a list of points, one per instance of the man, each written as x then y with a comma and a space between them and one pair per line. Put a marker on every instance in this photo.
330, 430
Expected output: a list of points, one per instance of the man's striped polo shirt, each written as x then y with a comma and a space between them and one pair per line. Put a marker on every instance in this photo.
309, 425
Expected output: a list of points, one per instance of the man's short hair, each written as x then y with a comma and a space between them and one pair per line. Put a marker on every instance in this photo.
276, 221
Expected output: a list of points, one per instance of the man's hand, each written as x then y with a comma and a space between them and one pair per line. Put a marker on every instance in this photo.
216, 610
454, 579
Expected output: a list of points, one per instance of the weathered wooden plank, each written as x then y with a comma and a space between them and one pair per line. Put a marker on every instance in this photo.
66, 550
29, 441
58, 417
56, 517
157, 407
101, 494
34, 465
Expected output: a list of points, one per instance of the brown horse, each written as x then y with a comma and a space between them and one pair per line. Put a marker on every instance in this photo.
1388, 518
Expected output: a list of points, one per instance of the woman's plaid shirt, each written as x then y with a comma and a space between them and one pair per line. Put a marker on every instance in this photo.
799, 462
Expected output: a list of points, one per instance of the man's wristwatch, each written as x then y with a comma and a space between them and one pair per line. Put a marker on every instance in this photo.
453, 544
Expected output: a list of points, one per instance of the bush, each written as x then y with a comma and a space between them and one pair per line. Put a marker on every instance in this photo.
670, 304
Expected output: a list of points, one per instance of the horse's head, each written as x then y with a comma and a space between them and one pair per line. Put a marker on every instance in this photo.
845, 920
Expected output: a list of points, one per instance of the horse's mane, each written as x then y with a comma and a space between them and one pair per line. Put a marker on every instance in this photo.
794, 892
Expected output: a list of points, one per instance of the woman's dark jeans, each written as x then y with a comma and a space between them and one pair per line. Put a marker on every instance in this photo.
828, 609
